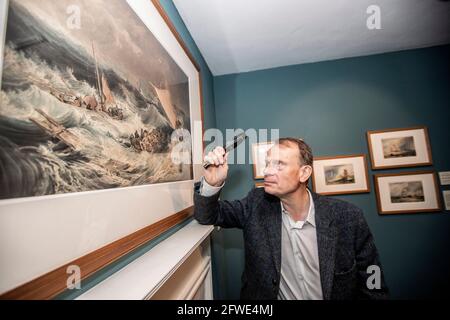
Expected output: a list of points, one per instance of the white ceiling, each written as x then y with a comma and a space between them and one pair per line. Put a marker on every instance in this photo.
244, 35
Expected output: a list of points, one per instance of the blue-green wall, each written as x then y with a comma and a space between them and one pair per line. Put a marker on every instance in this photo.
332, 104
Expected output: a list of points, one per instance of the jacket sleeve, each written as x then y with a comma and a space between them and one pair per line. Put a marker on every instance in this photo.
370, 272
226, 214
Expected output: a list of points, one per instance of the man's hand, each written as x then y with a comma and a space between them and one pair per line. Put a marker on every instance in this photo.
217, 172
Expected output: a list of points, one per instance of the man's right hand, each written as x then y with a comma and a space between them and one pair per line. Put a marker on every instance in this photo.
216, 173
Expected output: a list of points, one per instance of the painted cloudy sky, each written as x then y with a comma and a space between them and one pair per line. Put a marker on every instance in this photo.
121, 39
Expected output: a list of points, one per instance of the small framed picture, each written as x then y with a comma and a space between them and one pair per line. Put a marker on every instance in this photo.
408, 192
446, 196
395, 148
259, 152
340, 175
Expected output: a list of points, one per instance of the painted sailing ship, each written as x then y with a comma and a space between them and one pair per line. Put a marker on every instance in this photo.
154, 141
158, 139
107, 103
166, 102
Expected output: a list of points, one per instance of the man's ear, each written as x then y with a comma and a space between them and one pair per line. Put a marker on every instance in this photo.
305, 173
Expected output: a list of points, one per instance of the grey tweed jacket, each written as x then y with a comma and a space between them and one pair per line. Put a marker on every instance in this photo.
345, 243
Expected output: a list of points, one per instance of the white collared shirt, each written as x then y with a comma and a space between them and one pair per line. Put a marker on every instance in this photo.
300, 273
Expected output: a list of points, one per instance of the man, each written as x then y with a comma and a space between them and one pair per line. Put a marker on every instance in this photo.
298, 244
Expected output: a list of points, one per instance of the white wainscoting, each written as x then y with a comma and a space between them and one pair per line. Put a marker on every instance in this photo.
177, 268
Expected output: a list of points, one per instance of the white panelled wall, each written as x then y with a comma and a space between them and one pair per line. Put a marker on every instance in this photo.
177, 268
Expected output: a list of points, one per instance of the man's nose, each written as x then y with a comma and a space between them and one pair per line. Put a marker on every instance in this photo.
269, 170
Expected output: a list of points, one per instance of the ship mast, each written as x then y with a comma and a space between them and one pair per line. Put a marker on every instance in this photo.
97, 73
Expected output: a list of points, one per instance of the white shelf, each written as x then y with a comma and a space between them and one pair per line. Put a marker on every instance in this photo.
144, 276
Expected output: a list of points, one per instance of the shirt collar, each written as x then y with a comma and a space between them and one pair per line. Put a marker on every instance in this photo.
311, 217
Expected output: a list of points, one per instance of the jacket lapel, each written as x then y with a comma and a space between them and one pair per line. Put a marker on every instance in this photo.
272, 224
326, 242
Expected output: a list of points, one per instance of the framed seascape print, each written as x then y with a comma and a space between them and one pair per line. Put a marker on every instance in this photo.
407, 192
394, 148
259, 152
340, 175
100, 121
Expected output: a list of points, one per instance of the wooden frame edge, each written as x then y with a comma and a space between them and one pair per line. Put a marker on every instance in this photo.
183, 45
52, 283
259, 184
172, 28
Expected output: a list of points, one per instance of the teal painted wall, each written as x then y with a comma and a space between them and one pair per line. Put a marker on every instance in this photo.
331, 105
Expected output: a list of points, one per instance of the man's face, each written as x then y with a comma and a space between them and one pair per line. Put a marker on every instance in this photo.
283, 173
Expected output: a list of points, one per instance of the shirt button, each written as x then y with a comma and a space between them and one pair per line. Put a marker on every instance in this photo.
274, 281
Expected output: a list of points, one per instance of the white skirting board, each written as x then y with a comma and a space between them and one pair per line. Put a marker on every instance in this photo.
144, 276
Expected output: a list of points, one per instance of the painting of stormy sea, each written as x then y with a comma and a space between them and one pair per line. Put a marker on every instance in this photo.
89, 106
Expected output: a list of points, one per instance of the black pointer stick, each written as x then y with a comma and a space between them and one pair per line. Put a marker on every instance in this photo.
230, 146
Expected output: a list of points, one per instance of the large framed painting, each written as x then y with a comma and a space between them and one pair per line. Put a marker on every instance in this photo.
395, 148
340, 175
100, 122
409, 192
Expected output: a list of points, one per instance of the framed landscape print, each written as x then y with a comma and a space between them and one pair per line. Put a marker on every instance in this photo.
259, 152
94, 96
407, 192
340, 175
395, 148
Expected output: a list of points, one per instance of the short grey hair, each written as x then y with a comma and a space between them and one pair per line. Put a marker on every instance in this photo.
305, 151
